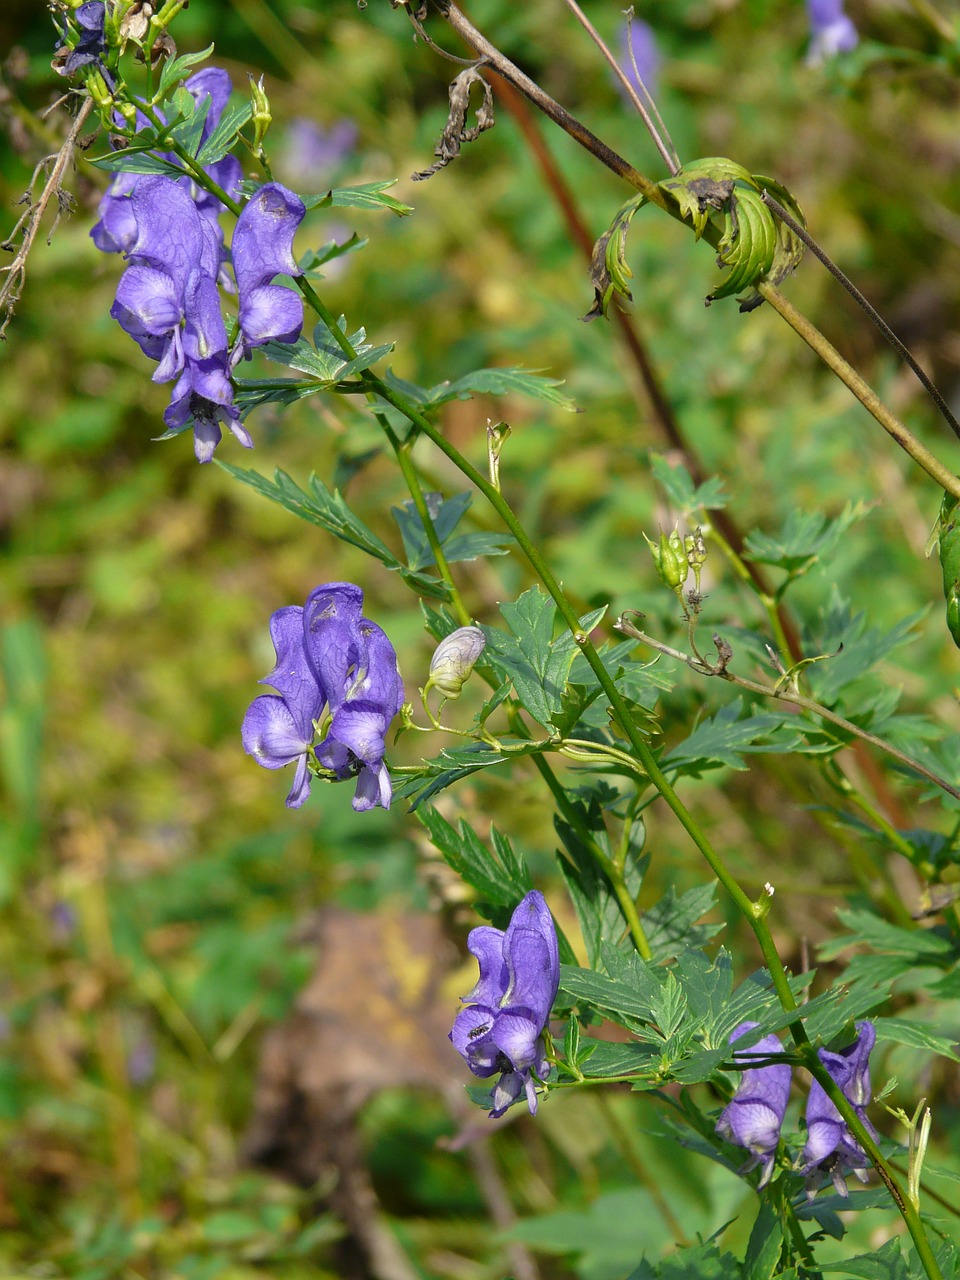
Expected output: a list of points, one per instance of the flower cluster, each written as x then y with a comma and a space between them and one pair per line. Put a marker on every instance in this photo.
501, 1028
334, 666
754, 1116
168, 299
90, 45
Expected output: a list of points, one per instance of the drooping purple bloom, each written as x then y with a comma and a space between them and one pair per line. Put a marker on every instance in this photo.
167, 301
831, 31
328, 656
501, 1027
262, 249
753, 1117
115, 230
313, 153
90, 47
639, 54
831, 1147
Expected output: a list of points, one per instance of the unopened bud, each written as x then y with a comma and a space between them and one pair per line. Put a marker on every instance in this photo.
696, 549
262, 115
670, 558
454, 660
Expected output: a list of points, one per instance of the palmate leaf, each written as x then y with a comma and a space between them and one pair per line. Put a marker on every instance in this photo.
853, 648
886, 1264
804, 538
682, 494
445, 514
498, 873
724, 738
671, 924
225, 134
450, 766
330, 511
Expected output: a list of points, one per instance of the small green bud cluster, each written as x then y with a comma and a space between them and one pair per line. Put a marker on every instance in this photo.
670, 559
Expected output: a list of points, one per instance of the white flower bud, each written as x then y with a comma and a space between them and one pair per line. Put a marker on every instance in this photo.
454, 659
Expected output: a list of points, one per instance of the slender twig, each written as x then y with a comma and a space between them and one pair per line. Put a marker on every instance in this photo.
783, 693
664, 145
902, 351
16, 271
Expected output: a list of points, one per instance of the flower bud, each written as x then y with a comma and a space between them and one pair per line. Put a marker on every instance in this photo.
696, 549
262, 116
454, 659
670, 558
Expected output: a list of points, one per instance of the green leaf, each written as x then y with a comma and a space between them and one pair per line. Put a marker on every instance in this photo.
224, 135
176, 68
886, 1264
949, 549
502, 382
902, 1031
626, 999
369, 195
806, 536
671, 924
608, 1058
763, 1248
853, 648
452, 765
315, 258
723, 738
499, 873
609, 272
446, 514
680, 491
915, 946
135, 160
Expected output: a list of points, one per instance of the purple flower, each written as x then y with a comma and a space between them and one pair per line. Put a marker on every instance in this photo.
639, 53
313, 153
831, 1147
115, 230
831, 31
328, 655
167, 300
501, 1028
753, 1117
263, 249
91, 45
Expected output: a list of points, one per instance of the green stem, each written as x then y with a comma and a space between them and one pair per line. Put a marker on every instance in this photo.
623, 1138
608, 866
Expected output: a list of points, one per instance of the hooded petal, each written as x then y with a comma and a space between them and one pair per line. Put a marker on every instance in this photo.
377, 677
360, 726
169, 232
271, 313
532, 957
331, 637
148, 303
486, 945
754, 1116
263, 238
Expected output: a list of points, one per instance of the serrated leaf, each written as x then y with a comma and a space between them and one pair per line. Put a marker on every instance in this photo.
176, 67
501, 382
763, 1247
315, 258
853, 648
915, 946
225, 134
607, 1058
599, 913
445, 514
368, 195
723, 738
621, 999
918, 1036
804, 538
949, 553
450, 766
499, 873
680, 491
887, 1263
671, 924
136, 160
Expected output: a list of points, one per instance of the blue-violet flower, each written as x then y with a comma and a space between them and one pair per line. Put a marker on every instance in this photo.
501, 1027
753, 1117
831, 1147
328, 656
831, 31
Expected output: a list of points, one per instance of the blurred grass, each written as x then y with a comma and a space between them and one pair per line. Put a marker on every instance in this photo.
150, 879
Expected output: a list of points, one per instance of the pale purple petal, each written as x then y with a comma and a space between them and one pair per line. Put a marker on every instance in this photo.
169, 233
330, 622
532, 957
271, 733
507, 1090
471, 1039
271, 313
516, 1035
263, 238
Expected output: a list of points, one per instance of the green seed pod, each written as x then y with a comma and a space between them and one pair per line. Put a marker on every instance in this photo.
950, 562
262, 115
454, 660
670, 558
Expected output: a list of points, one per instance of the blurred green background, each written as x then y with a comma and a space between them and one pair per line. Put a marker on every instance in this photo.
160, 907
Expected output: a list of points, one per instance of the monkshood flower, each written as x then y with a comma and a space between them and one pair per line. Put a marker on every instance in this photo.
639, 53
262, 249
753, 1117
501, 1027
331, 658
91, 46
115, 230
831, 31
831, 1147
167, 300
